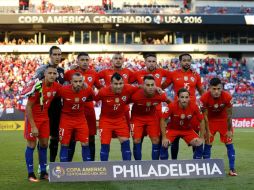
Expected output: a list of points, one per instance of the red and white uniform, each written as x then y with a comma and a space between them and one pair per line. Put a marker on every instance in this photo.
180, 121
144, 114
41, 115
73, 114
217, 113
112, 118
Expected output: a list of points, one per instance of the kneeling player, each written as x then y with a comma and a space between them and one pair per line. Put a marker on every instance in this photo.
37, 122
180, 114
217, 105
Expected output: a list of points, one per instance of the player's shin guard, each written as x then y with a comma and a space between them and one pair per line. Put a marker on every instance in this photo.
104, 152
92, 147
71, 150
137, 151
86, 153
64, 154
29, 159
53, 147
126, 150
174, 148
231, 156
198, 152
164, 153
207, 151
43, 158
155, 151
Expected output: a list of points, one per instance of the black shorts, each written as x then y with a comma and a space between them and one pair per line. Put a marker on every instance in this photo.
54, 114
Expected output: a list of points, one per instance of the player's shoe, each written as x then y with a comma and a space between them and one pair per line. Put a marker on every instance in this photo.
32, 177
44, 175
232, 173
39, 169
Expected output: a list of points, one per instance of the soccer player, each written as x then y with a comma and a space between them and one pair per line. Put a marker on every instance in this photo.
91, 79
112, 119
72, 119
55, 56
186, 78
217, 106
180, 113
145, 117
37, 122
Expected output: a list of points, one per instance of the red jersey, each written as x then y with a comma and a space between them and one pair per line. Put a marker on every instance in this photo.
158, 75
90, 77
74, 102
107, 74
146, 106
188, 80
48, 95
180, 118
113, 105
216, 106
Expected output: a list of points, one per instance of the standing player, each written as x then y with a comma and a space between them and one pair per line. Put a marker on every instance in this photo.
37, 122
91, 79
72, 119
184, 78
145, 117
55, 56
180, 113
112, 119
217, 105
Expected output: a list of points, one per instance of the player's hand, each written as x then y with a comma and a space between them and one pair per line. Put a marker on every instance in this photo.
74, 67
34, 132
159, 90
207, 137
229, 134
165, 142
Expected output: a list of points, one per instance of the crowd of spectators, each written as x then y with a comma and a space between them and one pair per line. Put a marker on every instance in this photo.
17, 70
224, 10
19, 41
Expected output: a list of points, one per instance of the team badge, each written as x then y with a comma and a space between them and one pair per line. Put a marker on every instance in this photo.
89, 79
84, 99
54, 93
76, 100
61, 75
125, 76
124, 98
148, 104
192, 79
189, 116
182, 116
155, 104
157, 75
185, 78
48, 94
216, 106
116, 100
222, 105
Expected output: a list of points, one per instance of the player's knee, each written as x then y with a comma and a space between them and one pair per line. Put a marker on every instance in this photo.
155, 140
136, 141
31, 144
196, 142
84, 144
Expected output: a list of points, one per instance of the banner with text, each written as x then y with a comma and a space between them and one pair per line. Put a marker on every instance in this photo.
135, 170
11, 125
243, 122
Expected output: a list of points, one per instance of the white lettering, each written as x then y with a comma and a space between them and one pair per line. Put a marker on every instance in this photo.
215, 169
198, 169
173, 169
160, 168
117, 170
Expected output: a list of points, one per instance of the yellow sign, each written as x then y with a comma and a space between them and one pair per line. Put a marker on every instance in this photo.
11, 125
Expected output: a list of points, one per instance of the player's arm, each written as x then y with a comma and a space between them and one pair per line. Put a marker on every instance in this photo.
206, 132
163, 125
200, 90
229, 122
168, 80
29, 114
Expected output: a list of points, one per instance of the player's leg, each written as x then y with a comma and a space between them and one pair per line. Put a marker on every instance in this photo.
192, 138
138, 128
153, 130
82, 135
71, 148
43, 157
29, 160
174, 149
65, 137
105, 137
208, 145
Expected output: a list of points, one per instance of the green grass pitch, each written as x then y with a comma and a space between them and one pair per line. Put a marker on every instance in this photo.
13, 174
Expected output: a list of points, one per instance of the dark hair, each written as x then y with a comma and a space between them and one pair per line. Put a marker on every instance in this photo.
184, 54
50, 66
149, 55
215, 81
116, 76
148, 77
82, 54
77, 74
52, 48
181, 90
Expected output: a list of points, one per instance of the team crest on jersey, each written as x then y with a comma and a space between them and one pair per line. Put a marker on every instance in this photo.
124, 98
216, 106
116, 100
189, 116
54, 93
125, 76
155, 104
157, 75
222, 105
185, 78
148, 104
76, 100
90, 79
48, 94
84, 99
192, 79
61, 75
182, 116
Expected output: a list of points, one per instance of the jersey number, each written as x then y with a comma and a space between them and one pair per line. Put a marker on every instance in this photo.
75, 106
116, 106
